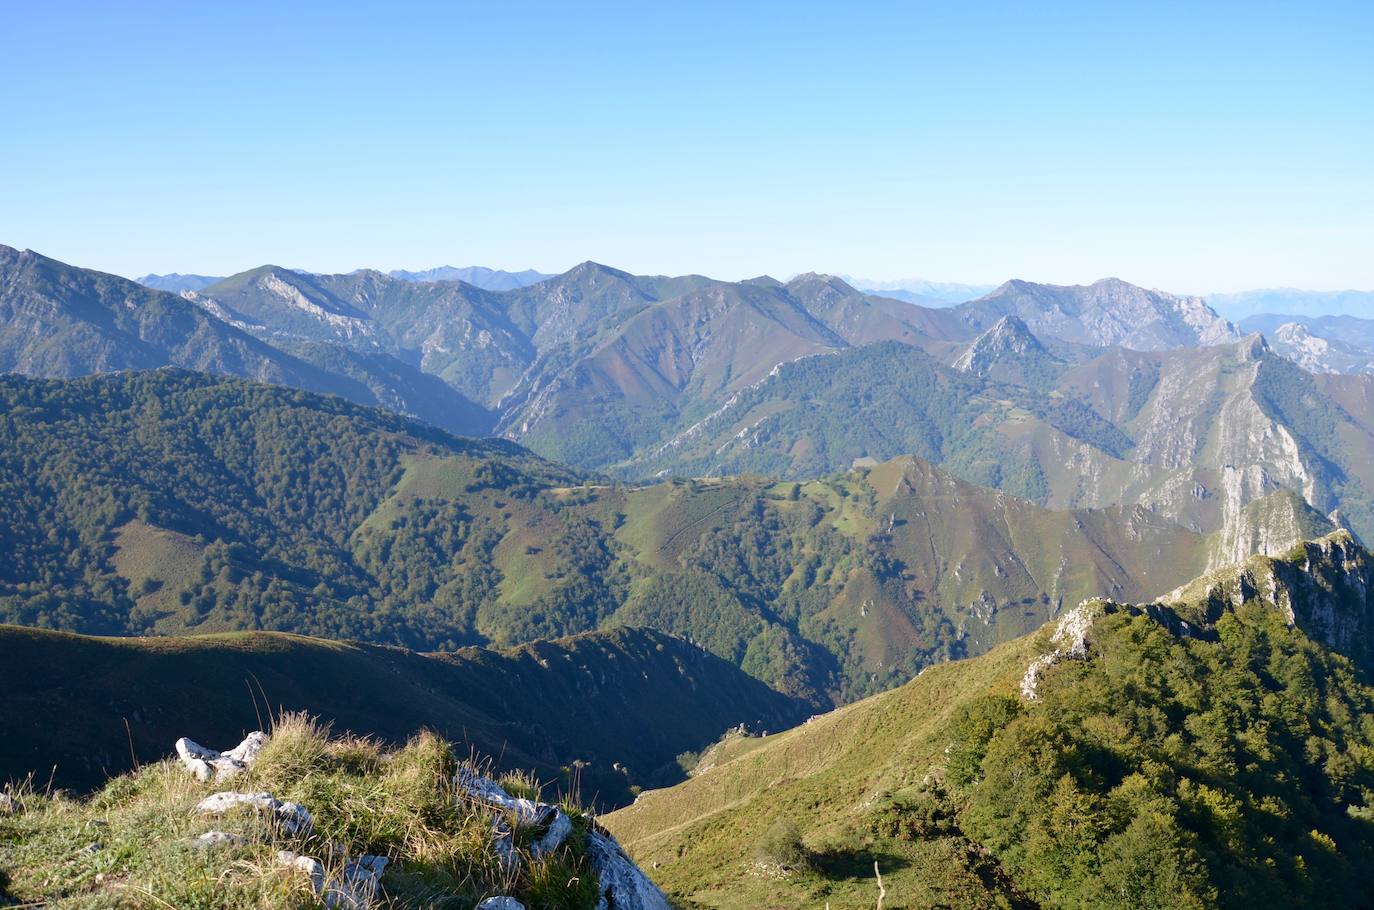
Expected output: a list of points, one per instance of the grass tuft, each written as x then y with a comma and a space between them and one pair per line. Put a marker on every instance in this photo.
400, 803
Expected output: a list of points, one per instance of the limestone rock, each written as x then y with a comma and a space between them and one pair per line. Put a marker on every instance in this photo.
524, 813
292, 818
8, 805
207, 764
1071, 639
354, 888
219, 839
622, 884
311, 867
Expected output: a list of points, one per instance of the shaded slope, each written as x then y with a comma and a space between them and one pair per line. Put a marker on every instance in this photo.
632, 697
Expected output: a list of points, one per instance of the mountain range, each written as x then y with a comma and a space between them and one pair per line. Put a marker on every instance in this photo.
476, 275
919, 290
1073, 397
1295, 302
1068, 579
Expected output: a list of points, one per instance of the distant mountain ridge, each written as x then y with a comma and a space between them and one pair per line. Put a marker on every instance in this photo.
61, 321
476, 275
1244, 304
177, 283
1105, 313
919, 290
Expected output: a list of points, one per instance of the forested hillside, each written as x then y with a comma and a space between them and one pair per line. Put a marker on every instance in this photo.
170, 502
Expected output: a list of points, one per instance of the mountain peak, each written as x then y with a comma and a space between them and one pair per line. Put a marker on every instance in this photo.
1008, 336
1108, 312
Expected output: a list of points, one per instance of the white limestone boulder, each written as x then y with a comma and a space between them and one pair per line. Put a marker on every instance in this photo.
207, 764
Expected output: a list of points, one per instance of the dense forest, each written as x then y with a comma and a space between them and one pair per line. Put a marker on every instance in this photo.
1170, 771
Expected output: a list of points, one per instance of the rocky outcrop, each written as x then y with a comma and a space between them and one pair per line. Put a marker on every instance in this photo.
292, 819
1322, 586
355, 882
1325, 587
515, 813
1268, 526
207, 764
1316, 354
623, 885
354, 887
1071, 640
1008, 337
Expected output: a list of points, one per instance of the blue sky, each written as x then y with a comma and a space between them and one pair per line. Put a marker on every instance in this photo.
1195, 147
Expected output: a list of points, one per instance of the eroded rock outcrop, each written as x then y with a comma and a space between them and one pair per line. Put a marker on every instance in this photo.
1324, 587
353, 887
623, 885
207, 764
1071, 640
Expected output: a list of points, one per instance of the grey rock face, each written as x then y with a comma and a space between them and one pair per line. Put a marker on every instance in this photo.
515, 812
1106, 312
1071, 640
353, 888
500, 903
623, 885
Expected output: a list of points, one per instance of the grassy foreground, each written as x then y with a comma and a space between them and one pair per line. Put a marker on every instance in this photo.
132, 844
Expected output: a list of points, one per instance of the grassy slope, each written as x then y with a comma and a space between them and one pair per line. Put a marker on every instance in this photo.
827, 774
634, 697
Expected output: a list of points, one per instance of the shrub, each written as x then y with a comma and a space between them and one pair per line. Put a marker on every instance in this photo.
781, 845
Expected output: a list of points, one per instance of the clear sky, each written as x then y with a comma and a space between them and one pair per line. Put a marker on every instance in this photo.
1200, 146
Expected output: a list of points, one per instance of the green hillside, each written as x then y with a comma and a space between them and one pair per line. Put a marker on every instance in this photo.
1225, 762
621, 706
171, 503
